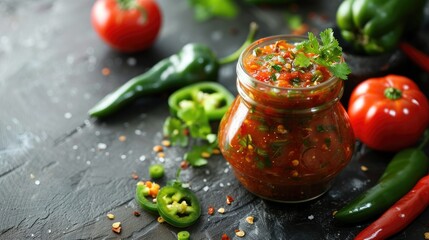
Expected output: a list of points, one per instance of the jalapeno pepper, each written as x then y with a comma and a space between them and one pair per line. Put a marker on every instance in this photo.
402, 173
144, 191
178, 206
193, 63
402, 213
211, 95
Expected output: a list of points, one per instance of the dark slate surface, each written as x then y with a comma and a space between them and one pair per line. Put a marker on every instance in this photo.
62, 172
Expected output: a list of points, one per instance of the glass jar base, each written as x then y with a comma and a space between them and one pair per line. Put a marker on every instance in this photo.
281, 192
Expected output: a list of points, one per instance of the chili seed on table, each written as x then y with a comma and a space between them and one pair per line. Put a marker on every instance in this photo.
110, 216
221, 210
160, 219
250, 219
205, 155
166, 143
364, 168
426, 235
158, 148
239, 233
122, 138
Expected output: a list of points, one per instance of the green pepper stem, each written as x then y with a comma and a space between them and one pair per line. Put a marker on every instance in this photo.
425, 139
235, 55
126, 4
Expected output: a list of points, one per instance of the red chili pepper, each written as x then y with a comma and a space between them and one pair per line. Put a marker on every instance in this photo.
417, 56
402, 213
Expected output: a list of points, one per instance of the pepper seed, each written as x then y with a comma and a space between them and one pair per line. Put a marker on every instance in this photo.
240, 233
110, 216
250, 219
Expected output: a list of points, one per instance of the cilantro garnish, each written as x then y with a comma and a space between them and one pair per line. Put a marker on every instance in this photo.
325, 52
191, 124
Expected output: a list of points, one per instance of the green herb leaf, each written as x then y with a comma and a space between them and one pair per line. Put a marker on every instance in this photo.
326, 53
174, 129
194, 156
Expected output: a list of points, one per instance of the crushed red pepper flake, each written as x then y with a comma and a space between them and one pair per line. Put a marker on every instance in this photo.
210, 210
134, 176
229, 200
116, 227
184, 164
137, 213
225, 237
105, 71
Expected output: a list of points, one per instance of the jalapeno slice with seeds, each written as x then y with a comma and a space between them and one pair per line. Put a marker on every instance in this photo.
214, 97
178, 206
144, 192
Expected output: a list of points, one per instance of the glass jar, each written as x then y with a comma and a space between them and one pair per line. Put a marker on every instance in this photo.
286, 144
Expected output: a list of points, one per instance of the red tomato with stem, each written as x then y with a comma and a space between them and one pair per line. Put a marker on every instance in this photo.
127, 25
388, 113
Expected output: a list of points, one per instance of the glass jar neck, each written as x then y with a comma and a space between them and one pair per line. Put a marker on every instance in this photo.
287, 100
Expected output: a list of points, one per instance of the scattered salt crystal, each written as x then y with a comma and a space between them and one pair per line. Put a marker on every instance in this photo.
101, 146
221, 184
75, 147
226, 170
206, 188
207, 172
49, 231
311, 217
138, 132
107, 153
228, 184
37, 182
67, 115
32, 176
131, 61
97, 133
88, 162
142, 158
204, 180
123, 156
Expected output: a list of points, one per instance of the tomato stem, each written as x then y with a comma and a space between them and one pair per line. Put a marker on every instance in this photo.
392, 93
127, 4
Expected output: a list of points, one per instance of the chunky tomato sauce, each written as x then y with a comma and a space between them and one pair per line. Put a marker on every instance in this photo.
285, 144
274, 64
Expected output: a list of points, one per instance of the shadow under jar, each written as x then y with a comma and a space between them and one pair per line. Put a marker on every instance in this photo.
285, 144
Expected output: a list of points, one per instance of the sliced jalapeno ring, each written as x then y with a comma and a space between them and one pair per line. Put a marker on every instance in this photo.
214, 97
143, 198
178, 206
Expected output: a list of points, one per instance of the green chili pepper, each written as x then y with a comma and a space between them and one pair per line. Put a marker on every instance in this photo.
377, 26
178, 206
183, 235
402, 173
214, 98
193, 63
156, 171
142, 194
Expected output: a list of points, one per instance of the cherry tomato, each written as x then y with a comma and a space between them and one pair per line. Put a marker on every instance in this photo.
388, 113
127, 25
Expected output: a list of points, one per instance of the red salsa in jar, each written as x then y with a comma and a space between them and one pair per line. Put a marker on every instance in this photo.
286, 135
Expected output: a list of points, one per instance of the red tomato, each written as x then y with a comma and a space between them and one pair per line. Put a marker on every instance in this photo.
127, 25
388, 113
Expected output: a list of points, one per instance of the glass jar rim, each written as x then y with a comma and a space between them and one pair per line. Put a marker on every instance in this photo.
271, 39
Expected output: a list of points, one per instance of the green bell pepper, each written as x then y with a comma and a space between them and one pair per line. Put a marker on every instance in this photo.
193, 63
178, 206
214, 98
377, 26
405, 169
